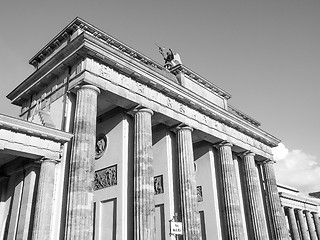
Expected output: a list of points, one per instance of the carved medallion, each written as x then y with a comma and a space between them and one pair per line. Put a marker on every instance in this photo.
101, 145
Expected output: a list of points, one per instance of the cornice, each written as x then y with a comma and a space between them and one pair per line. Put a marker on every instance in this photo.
32, 129
240, 114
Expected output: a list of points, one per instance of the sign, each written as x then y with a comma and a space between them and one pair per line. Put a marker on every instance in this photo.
176, 228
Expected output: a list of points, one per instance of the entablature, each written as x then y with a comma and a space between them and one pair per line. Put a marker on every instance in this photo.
298, 202
35, 130
88, 42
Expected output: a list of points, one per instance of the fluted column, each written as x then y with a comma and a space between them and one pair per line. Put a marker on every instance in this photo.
231, 212
188, 184
144, 203
80, 192
43, 208
257, 226
311, 227
277, 219
303, 225
293, 224
316, 223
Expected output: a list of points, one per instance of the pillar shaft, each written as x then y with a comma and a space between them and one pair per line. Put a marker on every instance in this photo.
293, 224
188, 185
231, 212
257, 226
311, 227
144, 203
80, 192
277, 221
303, 225
43, 208
316, 223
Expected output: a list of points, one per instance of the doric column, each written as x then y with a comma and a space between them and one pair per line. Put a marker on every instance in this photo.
293, 224
231, 212
257, 226
188, 185
80, 192
43, 208
316, 223
278, 226
312, 230
303, 225
144, 203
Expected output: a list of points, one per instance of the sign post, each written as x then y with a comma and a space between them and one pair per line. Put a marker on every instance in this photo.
175, 227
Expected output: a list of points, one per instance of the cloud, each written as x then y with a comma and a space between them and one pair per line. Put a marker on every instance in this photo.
297, 169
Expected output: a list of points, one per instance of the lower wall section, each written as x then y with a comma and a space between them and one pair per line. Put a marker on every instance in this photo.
203, 226
106, 220
160, 222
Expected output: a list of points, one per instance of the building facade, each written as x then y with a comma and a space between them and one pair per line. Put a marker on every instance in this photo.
112, 145
302, 213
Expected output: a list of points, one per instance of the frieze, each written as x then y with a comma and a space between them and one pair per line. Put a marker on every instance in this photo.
208, 119
158, 185
106, 177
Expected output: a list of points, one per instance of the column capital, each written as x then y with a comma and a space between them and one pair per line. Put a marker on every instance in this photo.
142, 109
182, 126
223, 144
138, 109
246, 154
87, 86
267, 161
288, 207
45, 159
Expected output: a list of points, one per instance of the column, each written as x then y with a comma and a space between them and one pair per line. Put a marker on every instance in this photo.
4, 203
231, 213
27, 202
278, 226
144, 203
303, 225
257, 226
316, 223
44, 202
188, 184
81, 175
311, 227
293, 224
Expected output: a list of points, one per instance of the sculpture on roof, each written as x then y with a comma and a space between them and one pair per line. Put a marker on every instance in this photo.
171, 59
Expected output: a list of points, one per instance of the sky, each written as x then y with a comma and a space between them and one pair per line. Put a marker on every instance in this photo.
266, 54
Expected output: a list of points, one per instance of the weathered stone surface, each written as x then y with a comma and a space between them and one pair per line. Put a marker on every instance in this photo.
230, 212
188, 185
311, 227
144, 203
278, 226
80, 194
293, 224
303, 225
43, 209
257, 226
316, 223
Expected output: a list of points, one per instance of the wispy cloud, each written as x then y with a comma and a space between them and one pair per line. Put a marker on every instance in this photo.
297, 169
